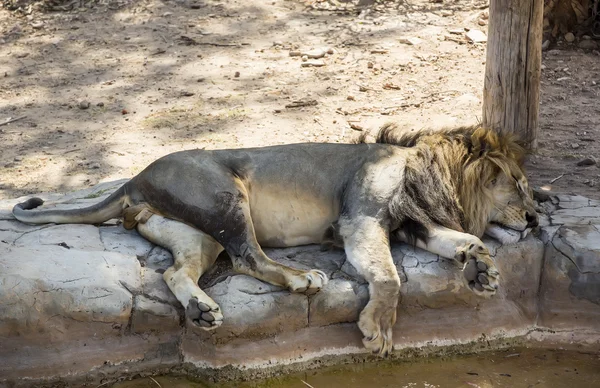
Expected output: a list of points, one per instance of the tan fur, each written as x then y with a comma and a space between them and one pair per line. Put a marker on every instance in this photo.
438, 190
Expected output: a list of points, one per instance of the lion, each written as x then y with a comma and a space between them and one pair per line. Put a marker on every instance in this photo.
440, 191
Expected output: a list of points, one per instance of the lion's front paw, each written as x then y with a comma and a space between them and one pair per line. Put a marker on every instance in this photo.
479, 271
378, 338
308, 282
206, 315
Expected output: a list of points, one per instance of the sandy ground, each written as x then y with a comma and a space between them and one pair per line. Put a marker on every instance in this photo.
103, 89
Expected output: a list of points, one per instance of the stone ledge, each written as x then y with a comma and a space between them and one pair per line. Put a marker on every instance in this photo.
82, 303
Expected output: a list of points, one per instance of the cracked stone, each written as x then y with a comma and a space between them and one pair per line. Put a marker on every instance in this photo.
66, 284
154, 287
151, 315
308, 257
339, 301
249, 312
127, 242
71, 236
159, 258
581, 244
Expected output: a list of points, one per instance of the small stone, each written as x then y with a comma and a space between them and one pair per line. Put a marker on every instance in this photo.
84, 104
409, 40
350, 98
588, 45
546, 45
313, 63
18, 159
278, 43
456, 31
100, 104
569, 37
481, 22
316, 53
476, 36
237, 74
304, 58
94, 165
370, 65
446, 13
575, 146
37, 25
587, 162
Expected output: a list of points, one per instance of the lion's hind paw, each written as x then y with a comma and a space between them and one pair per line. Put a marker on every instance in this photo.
205, 316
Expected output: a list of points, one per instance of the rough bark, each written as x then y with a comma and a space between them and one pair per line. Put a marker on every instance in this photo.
512, 74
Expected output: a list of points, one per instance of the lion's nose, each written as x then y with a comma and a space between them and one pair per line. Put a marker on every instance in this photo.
532, 219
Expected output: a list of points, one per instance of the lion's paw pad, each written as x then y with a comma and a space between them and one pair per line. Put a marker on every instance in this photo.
481, 277
205, 316
309, 282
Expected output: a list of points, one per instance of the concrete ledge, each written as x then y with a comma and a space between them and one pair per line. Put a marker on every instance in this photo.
84, 305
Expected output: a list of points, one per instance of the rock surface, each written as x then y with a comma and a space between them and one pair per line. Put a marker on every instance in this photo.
83, 304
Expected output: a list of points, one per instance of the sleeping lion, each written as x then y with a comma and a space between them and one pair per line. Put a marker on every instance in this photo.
437, 190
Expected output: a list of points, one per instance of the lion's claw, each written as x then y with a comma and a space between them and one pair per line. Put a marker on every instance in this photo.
308, 282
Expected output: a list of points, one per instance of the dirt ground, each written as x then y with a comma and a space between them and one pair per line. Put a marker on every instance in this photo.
104, 88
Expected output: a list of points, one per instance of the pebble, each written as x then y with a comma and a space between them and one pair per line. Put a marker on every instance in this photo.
100, 104
18, 159
588, 45
313, 63
370, 65
37, 25
587, 162
569, 37
94, 165
481, 22
546, 45
446, 13
409, 40
476, 36
236, 74
575, 146
84, 104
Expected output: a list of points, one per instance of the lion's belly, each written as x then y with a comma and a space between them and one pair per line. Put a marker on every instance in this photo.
284, 218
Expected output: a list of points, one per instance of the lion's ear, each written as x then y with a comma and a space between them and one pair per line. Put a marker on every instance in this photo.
481, 142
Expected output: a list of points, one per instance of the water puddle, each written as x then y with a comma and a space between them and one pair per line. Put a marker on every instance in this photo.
512, 368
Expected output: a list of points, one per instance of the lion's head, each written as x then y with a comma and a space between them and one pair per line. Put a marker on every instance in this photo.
468, 179
494, 189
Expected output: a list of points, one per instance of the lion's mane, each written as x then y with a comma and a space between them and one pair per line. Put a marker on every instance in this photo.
446, 181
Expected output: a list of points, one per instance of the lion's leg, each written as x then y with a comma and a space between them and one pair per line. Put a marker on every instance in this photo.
194, 253
480, 273
367, 248
248, 258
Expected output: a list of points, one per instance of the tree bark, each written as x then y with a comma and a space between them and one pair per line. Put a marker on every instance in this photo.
511, 91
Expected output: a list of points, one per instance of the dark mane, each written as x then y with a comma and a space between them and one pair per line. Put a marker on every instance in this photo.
391, 134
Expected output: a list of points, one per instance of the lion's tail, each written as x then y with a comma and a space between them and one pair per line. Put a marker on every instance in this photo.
111, 207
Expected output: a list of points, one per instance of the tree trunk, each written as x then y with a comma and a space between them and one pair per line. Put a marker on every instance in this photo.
511, 91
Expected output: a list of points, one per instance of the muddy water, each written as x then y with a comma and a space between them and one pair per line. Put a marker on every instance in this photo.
514, 368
